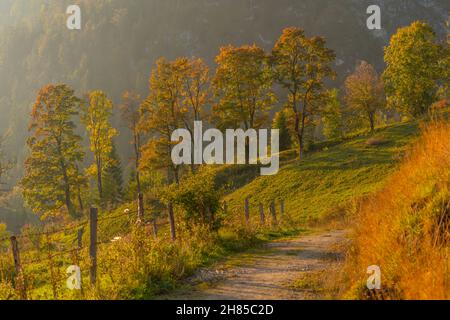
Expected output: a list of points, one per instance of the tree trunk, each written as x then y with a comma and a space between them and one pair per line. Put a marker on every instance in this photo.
302, 135
99, 179
298, 132
137, 144
172, 222
68, 200
372, 122
80, 200
299, 136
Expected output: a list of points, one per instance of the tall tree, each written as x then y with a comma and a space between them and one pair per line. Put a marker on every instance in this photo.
161, 115
195, 89
96, 117
412, 70
364, 92
51, 169
243, 86
132, 116
301, 65
195, 93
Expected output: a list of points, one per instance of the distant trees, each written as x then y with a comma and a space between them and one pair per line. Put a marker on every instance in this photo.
300, 65
5, 165
243, 87
413, 69
96, 117
51, 169
364, 93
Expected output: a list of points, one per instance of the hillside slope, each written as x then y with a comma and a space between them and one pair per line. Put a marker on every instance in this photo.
405, 227
326, 181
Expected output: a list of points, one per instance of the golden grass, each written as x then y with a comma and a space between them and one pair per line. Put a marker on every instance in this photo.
404, 228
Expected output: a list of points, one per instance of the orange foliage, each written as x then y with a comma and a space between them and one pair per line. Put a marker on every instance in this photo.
404, 228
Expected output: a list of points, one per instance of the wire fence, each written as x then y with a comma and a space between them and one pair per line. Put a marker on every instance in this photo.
40, 249
30, 250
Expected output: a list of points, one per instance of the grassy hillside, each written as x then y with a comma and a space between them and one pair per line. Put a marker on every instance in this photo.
405, 227
326, 180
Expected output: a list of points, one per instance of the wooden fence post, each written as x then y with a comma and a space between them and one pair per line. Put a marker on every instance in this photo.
247, 210
273, 212
77, 254
262, 217
141, 207
18, 266
172, 222
93, 245
282, 207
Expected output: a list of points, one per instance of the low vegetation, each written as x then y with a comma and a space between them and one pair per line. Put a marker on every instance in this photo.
404, 227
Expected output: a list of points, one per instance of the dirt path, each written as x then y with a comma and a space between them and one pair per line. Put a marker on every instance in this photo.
286, 270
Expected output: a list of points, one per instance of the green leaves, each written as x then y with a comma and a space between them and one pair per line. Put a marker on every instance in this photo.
51, 169
412, 72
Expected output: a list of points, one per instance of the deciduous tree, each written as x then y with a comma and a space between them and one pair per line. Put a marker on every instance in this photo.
243, 86
51, 169
130, 111
364, 92
412, 71
96, 117
161, 115
301, 65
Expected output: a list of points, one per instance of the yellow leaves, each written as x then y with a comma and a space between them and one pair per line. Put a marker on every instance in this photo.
96, 117
179, 92
243, 85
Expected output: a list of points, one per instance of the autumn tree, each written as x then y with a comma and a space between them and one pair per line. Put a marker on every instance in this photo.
412, 71
194, 93
364, 92
130, 112
161, 115
301, 65
243, 87
96, 117
51, 169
